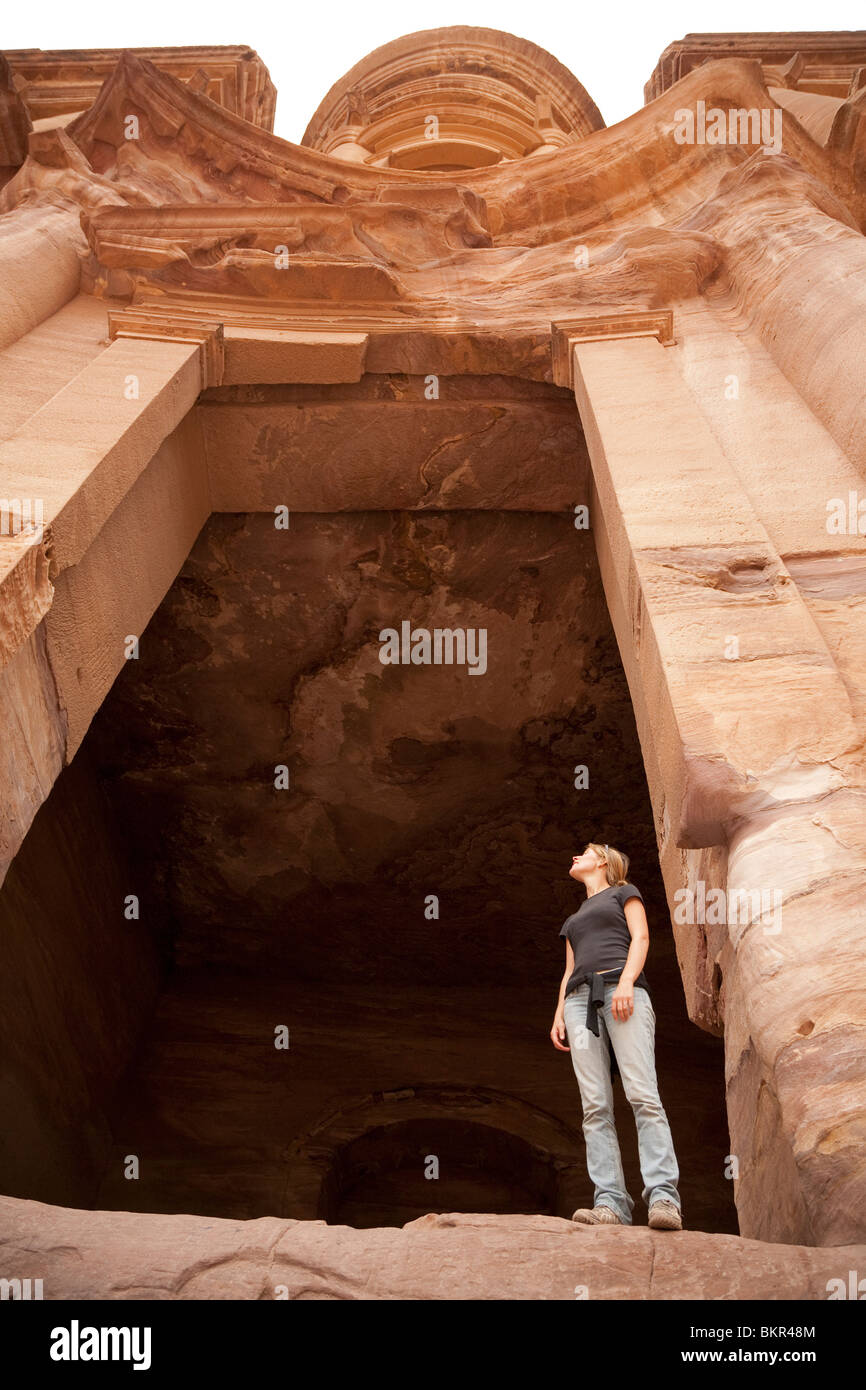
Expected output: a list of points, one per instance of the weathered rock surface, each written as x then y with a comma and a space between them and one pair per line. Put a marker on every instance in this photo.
87, 1255
268, 651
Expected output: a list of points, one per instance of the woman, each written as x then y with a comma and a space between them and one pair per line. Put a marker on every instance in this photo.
605, 1015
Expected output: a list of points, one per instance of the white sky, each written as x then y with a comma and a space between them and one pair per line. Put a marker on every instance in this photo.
611, 48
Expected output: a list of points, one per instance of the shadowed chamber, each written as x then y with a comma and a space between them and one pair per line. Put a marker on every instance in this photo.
378, 1181
312, 908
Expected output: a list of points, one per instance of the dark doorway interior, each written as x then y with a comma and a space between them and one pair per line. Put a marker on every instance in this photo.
394, 910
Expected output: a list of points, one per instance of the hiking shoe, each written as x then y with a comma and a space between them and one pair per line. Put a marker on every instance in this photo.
599, 1216
665, 1216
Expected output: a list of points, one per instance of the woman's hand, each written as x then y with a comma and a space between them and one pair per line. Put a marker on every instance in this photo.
622, 1002
558, 1035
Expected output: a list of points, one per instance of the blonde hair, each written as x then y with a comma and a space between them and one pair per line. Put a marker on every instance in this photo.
616, 863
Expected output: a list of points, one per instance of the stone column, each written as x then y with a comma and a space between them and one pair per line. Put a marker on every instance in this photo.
744, 723
40, 267
114, 495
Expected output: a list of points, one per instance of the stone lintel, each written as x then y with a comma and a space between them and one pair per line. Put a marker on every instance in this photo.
590, 328
275, 355
396, 343
236, 353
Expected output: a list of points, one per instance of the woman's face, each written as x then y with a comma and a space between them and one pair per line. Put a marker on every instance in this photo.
584, 863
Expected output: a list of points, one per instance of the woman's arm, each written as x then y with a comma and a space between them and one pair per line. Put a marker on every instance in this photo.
557, 1032
622, 1001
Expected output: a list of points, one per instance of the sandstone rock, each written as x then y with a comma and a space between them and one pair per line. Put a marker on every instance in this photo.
379, 332
86, 1255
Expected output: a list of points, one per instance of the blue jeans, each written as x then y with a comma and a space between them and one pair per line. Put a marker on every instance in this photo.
634, 1048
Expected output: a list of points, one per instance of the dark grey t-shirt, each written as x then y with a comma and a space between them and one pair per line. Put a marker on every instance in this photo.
599, 934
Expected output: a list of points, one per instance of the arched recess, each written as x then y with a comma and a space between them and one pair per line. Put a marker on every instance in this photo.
364, 1152
459, 97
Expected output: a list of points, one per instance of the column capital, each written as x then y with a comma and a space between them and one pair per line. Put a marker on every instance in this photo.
177, 328
589, 328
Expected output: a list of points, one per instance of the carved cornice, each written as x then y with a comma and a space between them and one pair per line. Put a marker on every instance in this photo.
586, 189
240, 312
399, 232
824, 63
56, 82
845, 130
15, 123
591, 328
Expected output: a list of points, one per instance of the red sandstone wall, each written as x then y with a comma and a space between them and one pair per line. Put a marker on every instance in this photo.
77, 981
